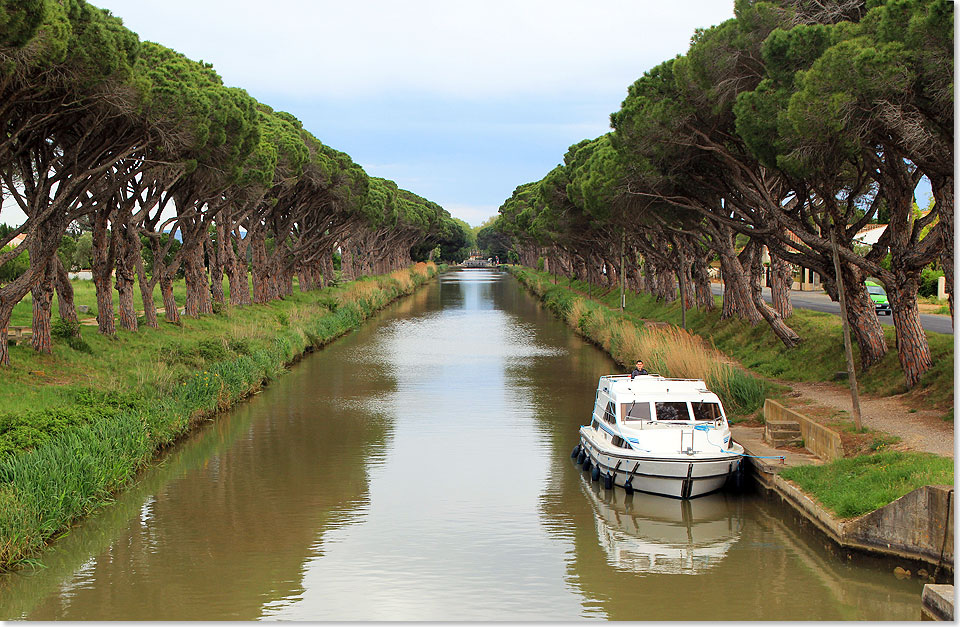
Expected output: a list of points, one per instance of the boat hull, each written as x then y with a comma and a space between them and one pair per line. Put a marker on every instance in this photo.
681, 476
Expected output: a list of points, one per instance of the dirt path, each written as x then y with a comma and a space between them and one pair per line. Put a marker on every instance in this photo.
920, 430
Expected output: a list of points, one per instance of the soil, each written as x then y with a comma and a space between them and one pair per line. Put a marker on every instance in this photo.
918, 429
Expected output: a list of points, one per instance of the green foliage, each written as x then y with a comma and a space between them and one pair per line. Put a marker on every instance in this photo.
64, 329
83, 252
15, 267
929, 281
67, 251
746, 391
19, 21
27, 430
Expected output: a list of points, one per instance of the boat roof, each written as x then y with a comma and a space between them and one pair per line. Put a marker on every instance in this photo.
653, 387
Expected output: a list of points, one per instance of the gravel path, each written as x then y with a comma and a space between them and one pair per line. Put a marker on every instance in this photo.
921, 430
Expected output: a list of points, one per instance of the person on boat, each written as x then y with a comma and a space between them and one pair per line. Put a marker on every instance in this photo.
638, 370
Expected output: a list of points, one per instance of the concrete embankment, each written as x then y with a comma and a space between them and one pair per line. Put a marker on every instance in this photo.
917, 527
937, 602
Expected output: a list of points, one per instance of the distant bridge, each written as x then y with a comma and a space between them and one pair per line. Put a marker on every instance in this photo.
477, 263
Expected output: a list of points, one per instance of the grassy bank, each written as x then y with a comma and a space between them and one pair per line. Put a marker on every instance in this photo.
858, 485
819, 357
666, 350
847, 487
77, 425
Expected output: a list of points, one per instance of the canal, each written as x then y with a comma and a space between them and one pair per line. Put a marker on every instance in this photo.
419, 469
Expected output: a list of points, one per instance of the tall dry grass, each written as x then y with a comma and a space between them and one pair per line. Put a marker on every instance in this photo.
666, 350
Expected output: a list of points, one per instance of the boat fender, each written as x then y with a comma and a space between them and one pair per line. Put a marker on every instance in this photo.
595, 475
628, 486
608, 481
581, 457
576, 451
586, 464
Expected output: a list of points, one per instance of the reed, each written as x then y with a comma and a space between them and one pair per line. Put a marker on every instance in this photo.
666, 350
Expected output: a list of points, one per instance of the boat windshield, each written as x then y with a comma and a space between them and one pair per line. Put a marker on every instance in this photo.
706, 411
639, 410
672, 411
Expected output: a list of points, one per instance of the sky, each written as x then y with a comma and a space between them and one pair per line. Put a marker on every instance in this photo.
457, 101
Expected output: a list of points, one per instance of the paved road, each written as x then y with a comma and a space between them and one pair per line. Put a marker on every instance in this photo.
819, 301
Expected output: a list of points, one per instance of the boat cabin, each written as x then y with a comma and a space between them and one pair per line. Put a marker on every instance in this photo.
651, 399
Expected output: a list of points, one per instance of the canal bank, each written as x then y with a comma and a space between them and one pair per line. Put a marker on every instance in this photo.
916, 527
182, 376
915, 531
423, 461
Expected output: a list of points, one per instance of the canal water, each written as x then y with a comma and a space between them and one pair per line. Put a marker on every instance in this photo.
419, 469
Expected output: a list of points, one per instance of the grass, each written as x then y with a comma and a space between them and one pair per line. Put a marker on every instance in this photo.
77, 426
855, 486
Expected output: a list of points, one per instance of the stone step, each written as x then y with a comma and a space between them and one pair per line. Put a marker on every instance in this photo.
786, 426
782, 433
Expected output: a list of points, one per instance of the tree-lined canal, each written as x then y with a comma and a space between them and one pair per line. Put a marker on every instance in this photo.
419, 470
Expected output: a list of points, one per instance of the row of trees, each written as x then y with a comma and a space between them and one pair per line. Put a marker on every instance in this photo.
786, 129
160, 160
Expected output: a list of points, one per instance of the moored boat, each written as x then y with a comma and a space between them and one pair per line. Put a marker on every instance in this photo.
658, 435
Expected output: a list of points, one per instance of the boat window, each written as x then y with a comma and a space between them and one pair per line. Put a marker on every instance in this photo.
706, 411
672, 411
635, 411
608, 415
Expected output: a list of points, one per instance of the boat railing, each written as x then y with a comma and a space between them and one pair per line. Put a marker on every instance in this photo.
651, 374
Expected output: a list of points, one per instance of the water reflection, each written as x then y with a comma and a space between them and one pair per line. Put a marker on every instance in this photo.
645, 533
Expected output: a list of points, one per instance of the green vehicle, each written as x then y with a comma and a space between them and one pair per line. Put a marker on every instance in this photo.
879, 297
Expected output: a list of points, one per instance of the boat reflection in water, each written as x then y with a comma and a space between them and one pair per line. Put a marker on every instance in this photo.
646, 533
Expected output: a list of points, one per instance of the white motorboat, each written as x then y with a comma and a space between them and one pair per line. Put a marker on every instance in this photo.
658, 435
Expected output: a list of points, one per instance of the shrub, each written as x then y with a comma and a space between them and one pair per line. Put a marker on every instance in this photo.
64, 329
928, 281
240, 346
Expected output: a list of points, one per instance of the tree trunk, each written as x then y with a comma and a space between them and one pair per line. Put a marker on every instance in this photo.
171, 313
786, 335
259, 269
42, 293
104, 246
912, 346
128, 246
146, 295
65, 304
195, 278
215, 253
737, 301
861, 314
781, 282
943, 196
701, 280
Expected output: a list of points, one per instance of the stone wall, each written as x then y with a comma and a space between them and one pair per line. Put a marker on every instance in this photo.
918, 522
822, 441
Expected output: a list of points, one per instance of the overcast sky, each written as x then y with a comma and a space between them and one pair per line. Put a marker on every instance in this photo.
456, 101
